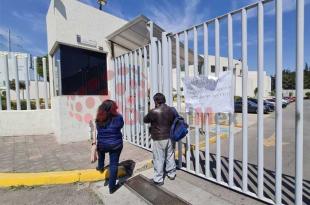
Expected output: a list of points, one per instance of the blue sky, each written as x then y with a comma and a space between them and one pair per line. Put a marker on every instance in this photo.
26, 20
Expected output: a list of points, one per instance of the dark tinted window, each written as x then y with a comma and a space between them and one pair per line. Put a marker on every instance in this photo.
83, 72
212, 68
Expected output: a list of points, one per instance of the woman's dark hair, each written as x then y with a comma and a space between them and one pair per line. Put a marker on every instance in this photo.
105, 112
159, 98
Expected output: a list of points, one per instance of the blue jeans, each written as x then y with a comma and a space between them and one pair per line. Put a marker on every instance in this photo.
113, 167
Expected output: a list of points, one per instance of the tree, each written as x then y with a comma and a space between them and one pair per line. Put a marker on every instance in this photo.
308, 95
255, 91
22, 86
40, 66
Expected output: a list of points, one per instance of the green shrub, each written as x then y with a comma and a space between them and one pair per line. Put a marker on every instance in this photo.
308, 95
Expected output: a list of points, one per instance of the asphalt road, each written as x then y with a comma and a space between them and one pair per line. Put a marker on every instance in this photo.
288, 132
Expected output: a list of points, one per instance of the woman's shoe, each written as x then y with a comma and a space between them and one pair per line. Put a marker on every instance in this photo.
99, 169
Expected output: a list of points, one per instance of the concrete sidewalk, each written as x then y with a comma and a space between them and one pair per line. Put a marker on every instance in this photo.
43, 153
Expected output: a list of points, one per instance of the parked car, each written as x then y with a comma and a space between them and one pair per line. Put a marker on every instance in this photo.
267, 105
273, 100
252, 107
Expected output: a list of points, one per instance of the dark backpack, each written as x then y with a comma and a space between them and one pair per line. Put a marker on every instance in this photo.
179, 128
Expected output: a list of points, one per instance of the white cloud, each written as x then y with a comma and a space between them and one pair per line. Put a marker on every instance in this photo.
173, 17
19, 42
35, 20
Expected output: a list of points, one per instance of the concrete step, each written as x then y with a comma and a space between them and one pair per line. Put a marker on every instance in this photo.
188, 187
199, 191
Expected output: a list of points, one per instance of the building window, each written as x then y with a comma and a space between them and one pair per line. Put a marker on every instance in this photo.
212, 68
224, 68
80, 71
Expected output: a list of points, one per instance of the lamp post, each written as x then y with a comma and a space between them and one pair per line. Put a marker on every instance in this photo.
101, 3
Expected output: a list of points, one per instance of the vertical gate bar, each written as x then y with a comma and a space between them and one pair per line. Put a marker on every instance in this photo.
140, 94
146, 106
136, 98
260, 102
123, 83
170, 70
154, 63
114, 77
278, 194
217, 70
244, 103
188, 137
206, 49
15, 60
165, 64
206, 115
231, 115
117, 80
36, 82
130, 97
7, 83
119, 68
154, 82
127, 93
196, 114
159, 71
299, 101
178, 82
45, 83
27, 83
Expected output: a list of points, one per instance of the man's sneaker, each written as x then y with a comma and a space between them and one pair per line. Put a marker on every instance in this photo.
114, 189
171, 178
158, 183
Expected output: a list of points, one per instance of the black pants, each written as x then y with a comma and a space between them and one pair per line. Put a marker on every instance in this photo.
114, 160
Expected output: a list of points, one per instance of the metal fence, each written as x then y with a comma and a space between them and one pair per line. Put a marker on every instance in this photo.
10, 75
145, 71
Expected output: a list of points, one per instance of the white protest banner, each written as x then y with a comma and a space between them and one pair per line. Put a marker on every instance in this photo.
207, 93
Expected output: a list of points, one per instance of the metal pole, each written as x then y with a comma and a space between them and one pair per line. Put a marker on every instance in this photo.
231, 115
196, 114
45, 83
169, 97
260, 102
165, 64
206, 72
244, 103
27, 83
7, 82
299, 101
278, 194
141, 104
127, 94
131, 95
36, 82
178, 81
217, 71
188, 137
15, 63
154, 63
146, 104
159, 70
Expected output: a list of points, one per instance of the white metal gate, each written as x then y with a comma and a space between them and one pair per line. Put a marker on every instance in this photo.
154, 68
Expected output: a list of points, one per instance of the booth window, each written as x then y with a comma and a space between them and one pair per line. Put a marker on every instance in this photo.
82, 72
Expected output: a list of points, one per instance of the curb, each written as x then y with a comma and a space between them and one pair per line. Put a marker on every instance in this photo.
54, 178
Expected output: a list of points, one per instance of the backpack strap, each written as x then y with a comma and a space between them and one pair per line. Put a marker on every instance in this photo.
176, 114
